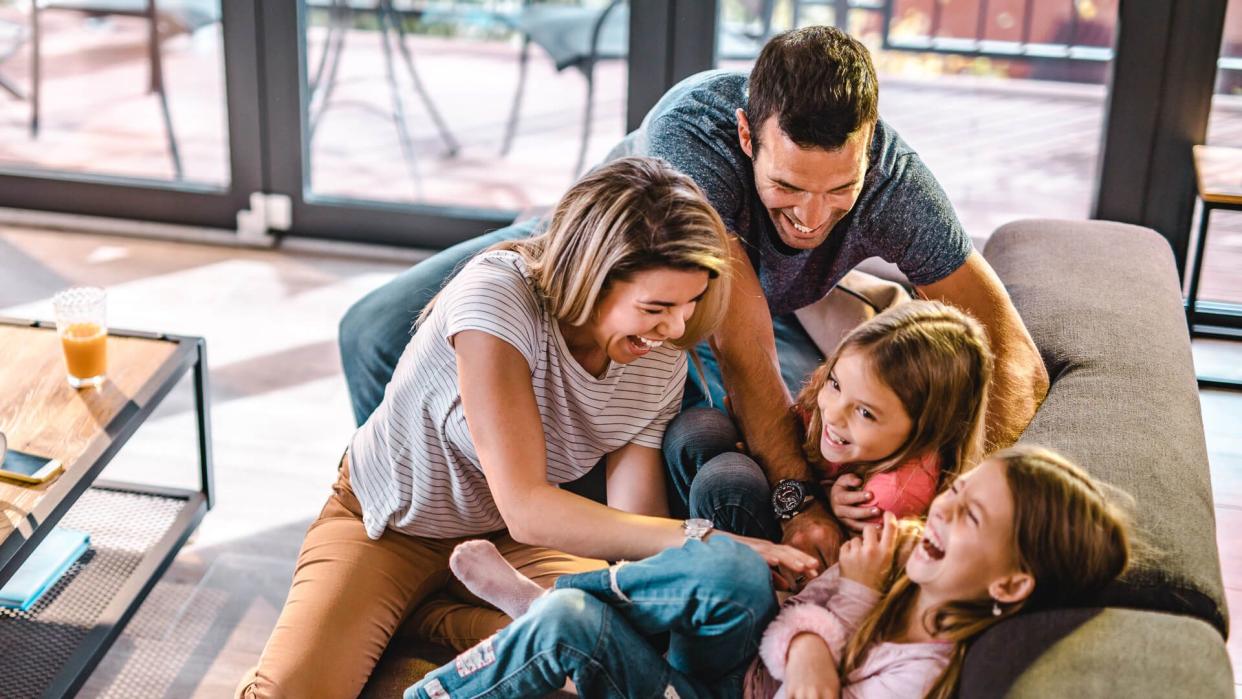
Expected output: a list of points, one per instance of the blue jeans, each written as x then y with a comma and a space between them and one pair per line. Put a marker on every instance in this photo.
713, 598
707, 476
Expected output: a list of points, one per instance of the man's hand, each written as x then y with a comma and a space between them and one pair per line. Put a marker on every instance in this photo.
810, 669
814, 532
868, 558
850, 502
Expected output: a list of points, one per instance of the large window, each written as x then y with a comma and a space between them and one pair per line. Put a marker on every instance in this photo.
131, 92
473, 104
1222, 261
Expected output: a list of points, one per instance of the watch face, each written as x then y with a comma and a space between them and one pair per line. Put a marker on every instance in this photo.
788, 497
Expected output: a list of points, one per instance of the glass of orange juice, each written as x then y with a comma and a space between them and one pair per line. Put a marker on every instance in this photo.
83, 328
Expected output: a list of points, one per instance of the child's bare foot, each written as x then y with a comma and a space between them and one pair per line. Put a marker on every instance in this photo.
487, 574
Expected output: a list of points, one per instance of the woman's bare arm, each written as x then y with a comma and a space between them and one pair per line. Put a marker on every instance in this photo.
503, 419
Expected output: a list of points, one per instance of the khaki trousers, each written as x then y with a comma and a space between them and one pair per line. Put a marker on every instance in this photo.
351, 595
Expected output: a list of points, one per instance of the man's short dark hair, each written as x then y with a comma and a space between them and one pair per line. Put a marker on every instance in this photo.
820, 84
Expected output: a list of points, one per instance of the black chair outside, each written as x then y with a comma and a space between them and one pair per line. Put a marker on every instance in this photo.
574, 37
176, 16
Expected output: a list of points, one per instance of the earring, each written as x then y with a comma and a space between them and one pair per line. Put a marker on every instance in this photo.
996, 609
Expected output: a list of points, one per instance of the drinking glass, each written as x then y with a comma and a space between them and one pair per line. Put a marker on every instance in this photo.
82, 324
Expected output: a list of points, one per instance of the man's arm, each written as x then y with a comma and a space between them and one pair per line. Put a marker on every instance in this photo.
1019, 380
746, 348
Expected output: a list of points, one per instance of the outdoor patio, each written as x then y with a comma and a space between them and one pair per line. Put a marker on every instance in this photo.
1002, 148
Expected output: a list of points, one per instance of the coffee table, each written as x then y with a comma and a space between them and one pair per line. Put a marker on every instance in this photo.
136, 530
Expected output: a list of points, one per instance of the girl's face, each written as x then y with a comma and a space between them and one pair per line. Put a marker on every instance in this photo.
967, 551
652, 307
863, 420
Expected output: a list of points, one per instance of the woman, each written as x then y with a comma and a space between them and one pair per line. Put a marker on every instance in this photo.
538, 359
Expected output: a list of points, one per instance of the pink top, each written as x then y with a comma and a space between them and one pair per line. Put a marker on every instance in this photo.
832, 607
906, 491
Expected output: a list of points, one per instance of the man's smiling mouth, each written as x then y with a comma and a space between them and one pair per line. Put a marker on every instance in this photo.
805, 230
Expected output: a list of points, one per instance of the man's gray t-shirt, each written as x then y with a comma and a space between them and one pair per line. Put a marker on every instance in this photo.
902, 214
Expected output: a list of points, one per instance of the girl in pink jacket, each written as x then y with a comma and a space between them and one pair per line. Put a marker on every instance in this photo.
1024, 530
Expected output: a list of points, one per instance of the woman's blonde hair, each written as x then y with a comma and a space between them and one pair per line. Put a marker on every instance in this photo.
1068, 534
938, 362
630, 215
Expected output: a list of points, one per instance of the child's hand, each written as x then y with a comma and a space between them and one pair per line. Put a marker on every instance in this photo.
867, 559
849, 500
810, 669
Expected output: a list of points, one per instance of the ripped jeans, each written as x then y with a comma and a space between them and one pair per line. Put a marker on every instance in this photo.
712, 598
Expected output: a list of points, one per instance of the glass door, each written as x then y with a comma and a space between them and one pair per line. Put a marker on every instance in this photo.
427, 123
131, 109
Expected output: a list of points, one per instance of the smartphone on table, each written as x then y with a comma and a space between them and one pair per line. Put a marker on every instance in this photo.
25, 467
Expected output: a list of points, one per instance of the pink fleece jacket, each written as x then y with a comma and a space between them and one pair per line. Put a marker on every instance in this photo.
906, 491
832, 607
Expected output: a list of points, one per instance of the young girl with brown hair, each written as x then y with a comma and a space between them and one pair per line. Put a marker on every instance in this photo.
1026, 530
897, 410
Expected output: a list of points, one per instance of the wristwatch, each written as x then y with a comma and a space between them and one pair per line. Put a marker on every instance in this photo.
696, 528
790, 497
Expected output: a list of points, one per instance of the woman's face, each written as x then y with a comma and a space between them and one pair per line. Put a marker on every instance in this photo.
650, 308
968, 551
862, 418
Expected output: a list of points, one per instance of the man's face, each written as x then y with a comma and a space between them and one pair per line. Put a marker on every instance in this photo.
805, 190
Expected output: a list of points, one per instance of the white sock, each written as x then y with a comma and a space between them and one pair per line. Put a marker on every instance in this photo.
486, 573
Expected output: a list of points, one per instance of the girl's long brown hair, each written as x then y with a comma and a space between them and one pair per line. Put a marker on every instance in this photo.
938, 362
1067, 534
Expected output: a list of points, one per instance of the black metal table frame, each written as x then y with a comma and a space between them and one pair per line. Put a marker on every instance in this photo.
1193, 312
190, 355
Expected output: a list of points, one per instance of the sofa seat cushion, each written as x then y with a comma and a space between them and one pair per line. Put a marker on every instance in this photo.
1098, 653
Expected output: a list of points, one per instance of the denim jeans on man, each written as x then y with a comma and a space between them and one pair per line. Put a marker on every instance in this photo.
707, 476
712, 598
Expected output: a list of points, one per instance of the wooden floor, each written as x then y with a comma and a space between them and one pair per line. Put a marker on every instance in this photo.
281, 417
1002, 149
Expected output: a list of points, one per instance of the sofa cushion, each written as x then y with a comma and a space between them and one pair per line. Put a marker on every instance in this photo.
1098, 653
1104, 305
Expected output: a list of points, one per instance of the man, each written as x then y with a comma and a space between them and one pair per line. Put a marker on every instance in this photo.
810, 182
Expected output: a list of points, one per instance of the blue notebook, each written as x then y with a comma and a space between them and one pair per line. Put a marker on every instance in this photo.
58, 550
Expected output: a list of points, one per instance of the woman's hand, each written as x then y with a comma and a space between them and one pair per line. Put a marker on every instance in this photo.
792, 567
867, 559
810, 669
849, 502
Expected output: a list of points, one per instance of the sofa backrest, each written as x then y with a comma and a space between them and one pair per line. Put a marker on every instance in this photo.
1104, 305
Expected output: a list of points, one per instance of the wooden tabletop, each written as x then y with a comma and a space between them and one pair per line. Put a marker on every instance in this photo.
41, 414
1218, 170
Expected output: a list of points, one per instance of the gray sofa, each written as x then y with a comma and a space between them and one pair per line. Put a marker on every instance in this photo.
1103, 302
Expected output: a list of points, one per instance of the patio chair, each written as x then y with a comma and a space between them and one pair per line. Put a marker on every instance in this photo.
574, 37
181, 15
12, 36
392, 31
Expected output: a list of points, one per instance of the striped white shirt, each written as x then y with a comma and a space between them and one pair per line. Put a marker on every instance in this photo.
413, 464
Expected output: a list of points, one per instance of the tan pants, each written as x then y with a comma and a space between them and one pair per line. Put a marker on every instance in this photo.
351, 595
